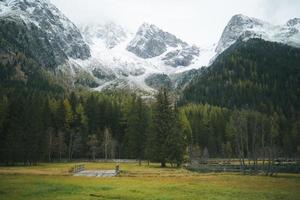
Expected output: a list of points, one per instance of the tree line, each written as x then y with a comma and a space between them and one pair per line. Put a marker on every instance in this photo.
248, 135
35, 127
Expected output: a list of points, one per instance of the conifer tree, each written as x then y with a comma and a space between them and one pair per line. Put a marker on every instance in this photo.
137, 126
163, 127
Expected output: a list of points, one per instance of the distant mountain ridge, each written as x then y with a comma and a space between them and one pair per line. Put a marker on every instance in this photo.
109, 57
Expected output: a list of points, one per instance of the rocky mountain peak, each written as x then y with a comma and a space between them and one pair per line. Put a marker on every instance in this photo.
244, 27
150, 41
236, 27
240, 20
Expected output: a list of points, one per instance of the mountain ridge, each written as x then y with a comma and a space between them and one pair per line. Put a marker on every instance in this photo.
109, 57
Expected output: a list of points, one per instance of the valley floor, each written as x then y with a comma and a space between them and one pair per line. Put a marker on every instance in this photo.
53, 181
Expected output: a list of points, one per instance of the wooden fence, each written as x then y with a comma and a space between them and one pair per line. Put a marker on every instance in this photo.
78, 168
277, 168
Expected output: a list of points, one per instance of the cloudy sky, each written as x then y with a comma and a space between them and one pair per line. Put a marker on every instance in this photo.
196, 21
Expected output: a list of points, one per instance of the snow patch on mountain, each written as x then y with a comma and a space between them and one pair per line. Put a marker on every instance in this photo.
244, 27
109, 50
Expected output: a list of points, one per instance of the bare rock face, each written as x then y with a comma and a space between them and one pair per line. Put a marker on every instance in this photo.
182, 57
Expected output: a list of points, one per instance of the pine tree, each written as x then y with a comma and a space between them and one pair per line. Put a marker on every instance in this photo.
68, 126
163, 124
137, 126
177, 141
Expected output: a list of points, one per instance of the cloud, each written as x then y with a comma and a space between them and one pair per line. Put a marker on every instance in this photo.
279, 11
196, 21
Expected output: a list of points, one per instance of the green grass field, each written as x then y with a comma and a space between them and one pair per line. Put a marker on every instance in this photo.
53, 181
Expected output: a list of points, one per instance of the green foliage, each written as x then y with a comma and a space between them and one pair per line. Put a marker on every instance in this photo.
219, 129
256, 74
16, 36
208, 126
137, 123
167, 141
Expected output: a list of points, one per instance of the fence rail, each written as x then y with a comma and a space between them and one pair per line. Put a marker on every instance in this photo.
285, 168
78, 168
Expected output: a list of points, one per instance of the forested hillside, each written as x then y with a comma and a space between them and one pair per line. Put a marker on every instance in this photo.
255, 83
256, 74
249, 107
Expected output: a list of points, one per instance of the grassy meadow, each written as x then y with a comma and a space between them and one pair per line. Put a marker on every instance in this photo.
53, 181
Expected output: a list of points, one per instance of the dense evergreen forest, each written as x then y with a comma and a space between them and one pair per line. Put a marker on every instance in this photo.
256, 74
246, 105
249, 79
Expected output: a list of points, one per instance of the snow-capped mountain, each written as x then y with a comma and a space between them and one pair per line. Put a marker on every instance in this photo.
134, 59
108, 56
243, 27
39, 22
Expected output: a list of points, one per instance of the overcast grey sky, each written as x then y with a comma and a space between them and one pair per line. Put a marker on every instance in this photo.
197, 21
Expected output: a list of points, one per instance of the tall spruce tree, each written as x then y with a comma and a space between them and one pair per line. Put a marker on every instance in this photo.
177, 141
163, 125
137, 125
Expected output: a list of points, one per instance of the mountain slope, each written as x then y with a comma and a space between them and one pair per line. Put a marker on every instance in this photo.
254, 74
114, 51
244, 27
39, 29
